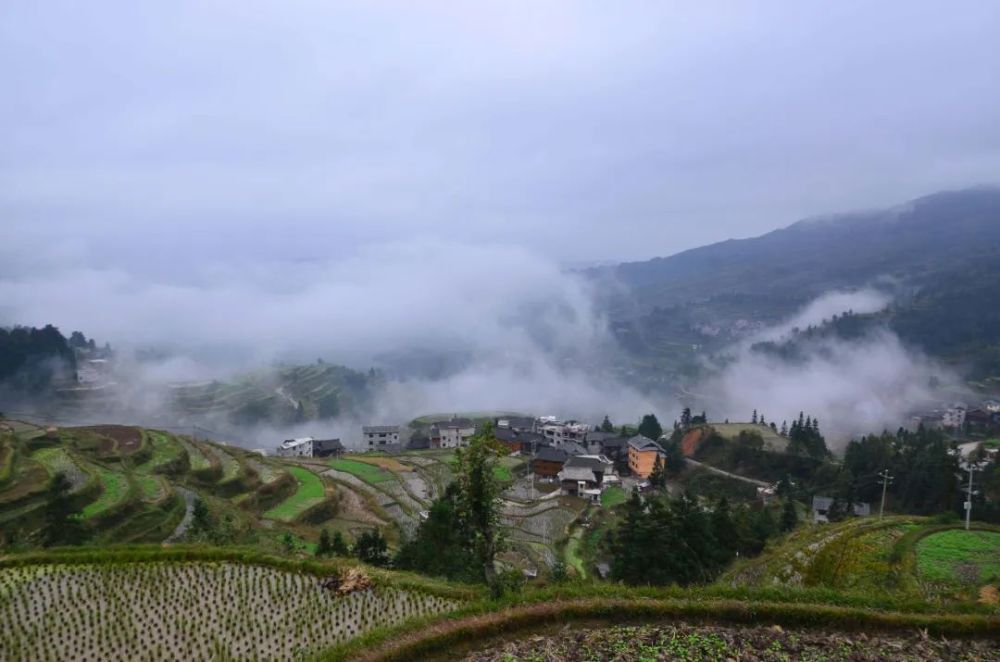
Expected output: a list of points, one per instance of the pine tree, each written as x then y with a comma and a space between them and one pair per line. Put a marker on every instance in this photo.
372, 548
606, 425
338, 546
658, 477
324, 547
789, 516
685, 417
62, 522
650, 428
753, 419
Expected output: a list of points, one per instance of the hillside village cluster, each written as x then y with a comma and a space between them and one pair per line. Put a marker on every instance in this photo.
581, 459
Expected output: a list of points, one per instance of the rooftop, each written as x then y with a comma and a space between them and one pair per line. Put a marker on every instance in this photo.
379, 429
643, 444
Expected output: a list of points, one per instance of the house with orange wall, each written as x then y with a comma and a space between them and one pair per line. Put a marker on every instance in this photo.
642, 454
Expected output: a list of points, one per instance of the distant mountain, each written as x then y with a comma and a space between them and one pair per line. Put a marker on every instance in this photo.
939, 255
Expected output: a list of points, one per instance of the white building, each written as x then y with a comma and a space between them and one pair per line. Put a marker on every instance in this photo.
452, 434
558, 433
380, 437
302, 447
954, 416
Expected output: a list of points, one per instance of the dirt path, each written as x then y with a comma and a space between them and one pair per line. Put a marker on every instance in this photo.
752, 481
185, 523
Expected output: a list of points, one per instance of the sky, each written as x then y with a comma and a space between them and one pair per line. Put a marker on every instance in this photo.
161, 137
236, 183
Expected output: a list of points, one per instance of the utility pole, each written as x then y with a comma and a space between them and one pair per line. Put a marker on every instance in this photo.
885, 480
971, 467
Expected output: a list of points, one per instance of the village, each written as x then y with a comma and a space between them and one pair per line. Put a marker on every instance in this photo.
575, 459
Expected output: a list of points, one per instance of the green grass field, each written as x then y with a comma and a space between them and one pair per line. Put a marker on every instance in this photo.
114, 490
613, 496
309, 493
502, 474
959, 555
771, 438
366, 472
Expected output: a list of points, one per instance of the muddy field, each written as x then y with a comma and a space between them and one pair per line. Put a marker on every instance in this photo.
701, 642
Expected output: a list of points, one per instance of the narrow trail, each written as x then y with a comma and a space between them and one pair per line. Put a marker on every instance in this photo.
185, 523
752, 481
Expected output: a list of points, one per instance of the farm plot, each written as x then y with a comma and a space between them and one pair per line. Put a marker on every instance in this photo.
187, 611
57, 460
164, 449
152, 488
197, 459
369, 473
309, 493
268, 473
114, 491
230, 465
960, 556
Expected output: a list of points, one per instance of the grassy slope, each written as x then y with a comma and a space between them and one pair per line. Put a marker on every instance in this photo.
310, 492
940, 556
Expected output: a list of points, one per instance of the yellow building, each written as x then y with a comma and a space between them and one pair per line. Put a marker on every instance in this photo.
642, 454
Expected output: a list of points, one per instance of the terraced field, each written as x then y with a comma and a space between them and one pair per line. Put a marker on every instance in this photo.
114, 492
197, 459
186, 611
58, 460
310, 492
164, 451
370, 473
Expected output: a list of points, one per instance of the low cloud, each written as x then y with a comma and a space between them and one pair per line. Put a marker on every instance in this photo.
853, 387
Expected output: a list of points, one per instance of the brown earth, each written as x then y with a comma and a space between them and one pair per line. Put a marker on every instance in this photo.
682, 641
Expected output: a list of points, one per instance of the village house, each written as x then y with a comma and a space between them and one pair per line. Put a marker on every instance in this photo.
517, 423
611, 445
821, 509
585, 476
548, 462
452, 434
301, 447
642, 454
558, 433
310, 447
380, 437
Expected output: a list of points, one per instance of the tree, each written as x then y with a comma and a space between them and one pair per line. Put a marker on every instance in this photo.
478, 502
337, 545
753, 419
675, 460
685, 417
288, 543
443, 545
650, 428
606, 425
63, 525
372, 548
324, 547
789, 516
658, 477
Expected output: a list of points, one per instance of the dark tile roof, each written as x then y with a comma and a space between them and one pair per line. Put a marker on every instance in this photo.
551, 454
327, 445
379, 429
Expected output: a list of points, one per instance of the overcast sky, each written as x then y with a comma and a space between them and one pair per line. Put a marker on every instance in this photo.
162, 134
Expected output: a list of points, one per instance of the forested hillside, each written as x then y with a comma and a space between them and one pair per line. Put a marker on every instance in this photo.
938, 257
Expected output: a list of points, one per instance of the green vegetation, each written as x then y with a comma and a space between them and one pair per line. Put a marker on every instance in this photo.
164, 451
369, 473
960, 556
150, 487
310, 492
613, 496
114, 492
